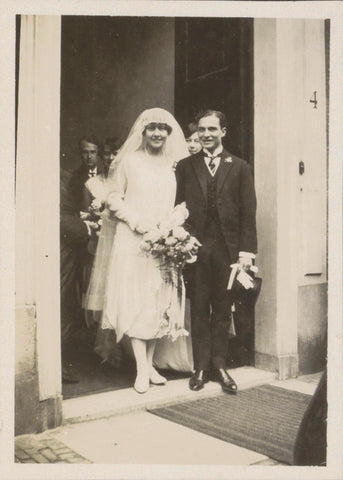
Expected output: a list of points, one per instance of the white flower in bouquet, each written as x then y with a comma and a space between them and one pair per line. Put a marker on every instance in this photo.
165, 229
194, 242
179, 214
96, 204
178, 220
188, 248
165, 226
146, 246
182, 209
191, 259
171, 241
180, 233
145, 226
159, 248
170, 252
153, 236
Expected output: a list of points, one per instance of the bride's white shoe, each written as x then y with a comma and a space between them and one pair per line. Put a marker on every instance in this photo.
142, 383
156, 378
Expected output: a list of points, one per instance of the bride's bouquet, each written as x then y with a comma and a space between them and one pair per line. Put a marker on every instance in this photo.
174, 247
170, 242
93, 216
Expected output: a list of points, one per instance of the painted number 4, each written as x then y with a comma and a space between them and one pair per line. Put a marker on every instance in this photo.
314, 99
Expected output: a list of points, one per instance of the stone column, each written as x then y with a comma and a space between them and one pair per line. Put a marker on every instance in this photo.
283, 51
38, 370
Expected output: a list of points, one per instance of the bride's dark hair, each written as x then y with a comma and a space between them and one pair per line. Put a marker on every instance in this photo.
159, 125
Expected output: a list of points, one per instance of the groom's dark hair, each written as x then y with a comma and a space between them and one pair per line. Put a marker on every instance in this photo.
208, 113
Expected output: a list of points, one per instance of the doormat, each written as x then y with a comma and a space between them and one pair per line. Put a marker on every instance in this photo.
264, 419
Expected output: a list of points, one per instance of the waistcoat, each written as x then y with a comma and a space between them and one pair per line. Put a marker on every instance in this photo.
212, 213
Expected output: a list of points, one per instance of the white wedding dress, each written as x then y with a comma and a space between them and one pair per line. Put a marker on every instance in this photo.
137, 296
128, 289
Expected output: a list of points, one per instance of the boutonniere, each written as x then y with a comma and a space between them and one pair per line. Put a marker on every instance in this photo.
228, 160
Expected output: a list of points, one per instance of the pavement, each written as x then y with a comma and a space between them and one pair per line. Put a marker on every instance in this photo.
115, 428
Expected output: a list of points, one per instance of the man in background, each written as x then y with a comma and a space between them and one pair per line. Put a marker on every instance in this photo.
90, 167
74, 235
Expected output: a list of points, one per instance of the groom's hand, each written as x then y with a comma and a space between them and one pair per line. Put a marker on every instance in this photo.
245, 262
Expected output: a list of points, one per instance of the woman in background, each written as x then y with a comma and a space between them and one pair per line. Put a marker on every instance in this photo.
192, 138
97, 187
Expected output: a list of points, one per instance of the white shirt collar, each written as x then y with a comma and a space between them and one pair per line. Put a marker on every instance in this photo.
92, 173
215, 160
216, 152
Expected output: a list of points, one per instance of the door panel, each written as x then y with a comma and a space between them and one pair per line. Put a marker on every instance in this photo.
214, 69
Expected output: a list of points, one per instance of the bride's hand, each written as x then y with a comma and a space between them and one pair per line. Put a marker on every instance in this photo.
144, 227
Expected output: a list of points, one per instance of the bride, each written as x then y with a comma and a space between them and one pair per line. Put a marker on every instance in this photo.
127, 285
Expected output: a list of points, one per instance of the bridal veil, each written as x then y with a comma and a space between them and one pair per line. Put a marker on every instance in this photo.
175, 148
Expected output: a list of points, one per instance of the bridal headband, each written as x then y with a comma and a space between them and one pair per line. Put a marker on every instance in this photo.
156, 115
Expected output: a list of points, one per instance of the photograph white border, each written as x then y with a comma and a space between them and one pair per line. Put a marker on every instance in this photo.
333, 11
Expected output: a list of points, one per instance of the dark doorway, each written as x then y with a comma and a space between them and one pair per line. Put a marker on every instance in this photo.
214, 70
112, 68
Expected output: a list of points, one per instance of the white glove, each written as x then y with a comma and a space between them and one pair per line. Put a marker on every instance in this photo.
242, 276
84, 215
143, 227
245, 280
91, 226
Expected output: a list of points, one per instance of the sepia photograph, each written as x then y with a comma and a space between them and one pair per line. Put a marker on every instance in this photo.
173, 235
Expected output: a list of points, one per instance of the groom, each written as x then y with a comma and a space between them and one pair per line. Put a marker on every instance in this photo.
219, 193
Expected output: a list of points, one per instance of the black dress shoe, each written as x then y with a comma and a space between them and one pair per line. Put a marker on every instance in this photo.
228, 384
198, 380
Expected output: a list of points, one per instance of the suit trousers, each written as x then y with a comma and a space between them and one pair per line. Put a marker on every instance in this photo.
71, 312
210, 301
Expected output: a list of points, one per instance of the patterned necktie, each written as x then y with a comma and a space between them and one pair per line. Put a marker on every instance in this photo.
212, 164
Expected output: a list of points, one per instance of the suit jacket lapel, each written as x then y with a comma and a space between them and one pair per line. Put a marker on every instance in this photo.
223, 169
200, 170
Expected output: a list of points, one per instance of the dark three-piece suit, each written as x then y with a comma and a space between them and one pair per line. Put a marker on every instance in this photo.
74, 237
222, 211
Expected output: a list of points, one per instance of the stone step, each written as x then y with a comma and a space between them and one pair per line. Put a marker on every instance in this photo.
120, 402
